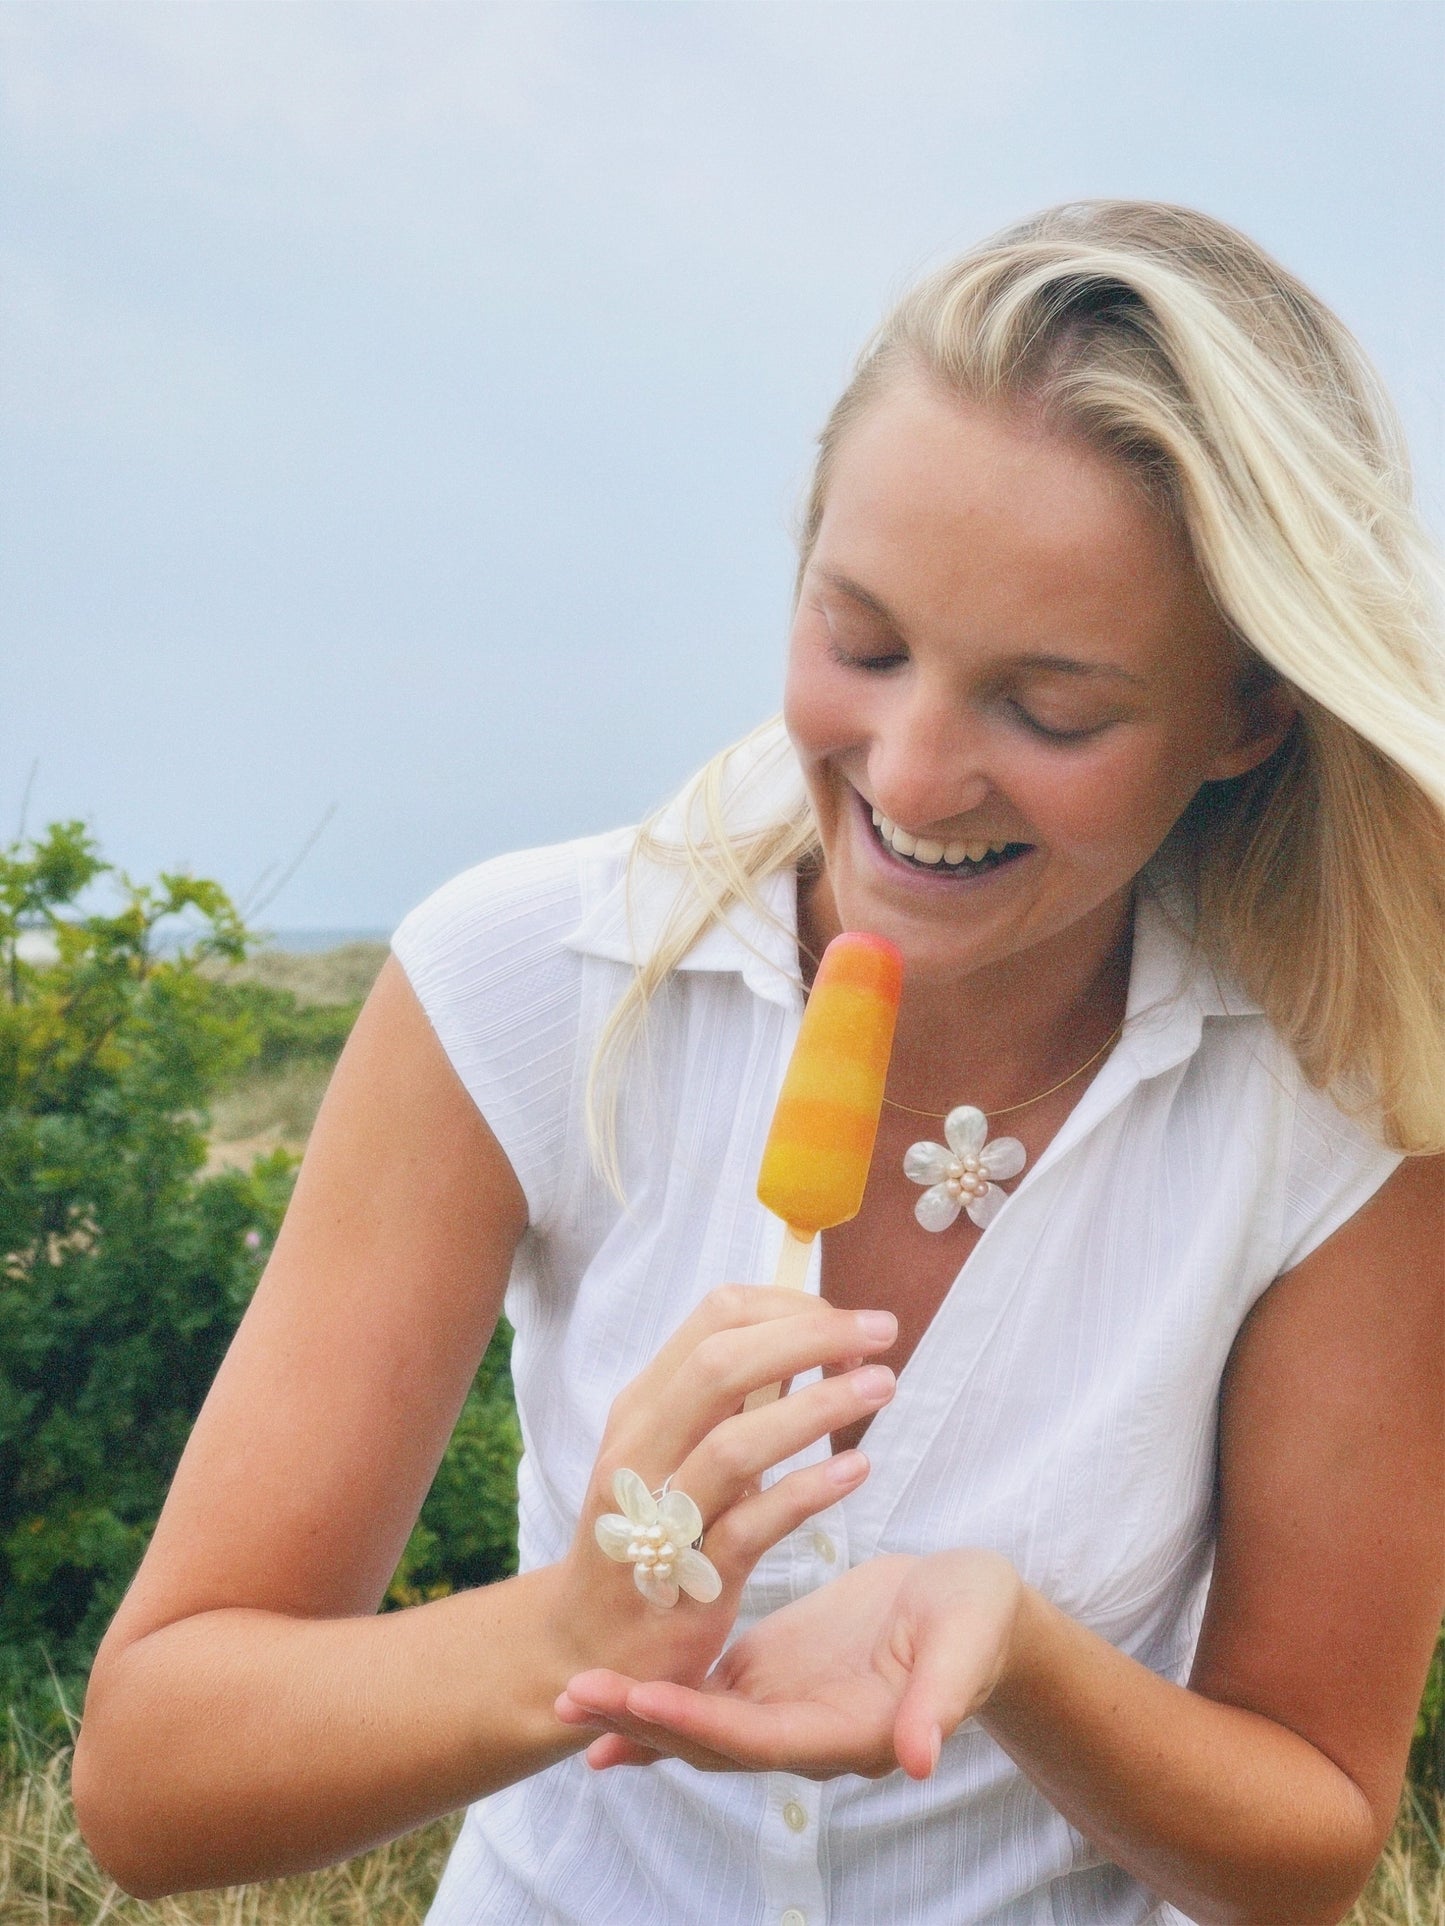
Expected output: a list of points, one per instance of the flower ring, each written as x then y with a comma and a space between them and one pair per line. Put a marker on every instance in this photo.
962, 1177
659, 1537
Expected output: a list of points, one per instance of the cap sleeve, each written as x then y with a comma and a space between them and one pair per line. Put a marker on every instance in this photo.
486, 960
1336, 1164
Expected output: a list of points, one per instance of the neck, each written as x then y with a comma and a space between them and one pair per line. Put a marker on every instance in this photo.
1000, 1034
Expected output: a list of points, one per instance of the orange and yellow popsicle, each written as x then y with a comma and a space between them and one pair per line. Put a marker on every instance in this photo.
815, 1163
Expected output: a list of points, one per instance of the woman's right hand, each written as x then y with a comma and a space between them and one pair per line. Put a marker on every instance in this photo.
682, 1419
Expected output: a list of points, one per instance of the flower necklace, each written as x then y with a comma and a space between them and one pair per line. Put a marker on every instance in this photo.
965, 1173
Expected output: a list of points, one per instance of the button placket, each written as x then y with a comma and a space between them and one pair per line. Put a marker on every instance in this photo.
790, 1844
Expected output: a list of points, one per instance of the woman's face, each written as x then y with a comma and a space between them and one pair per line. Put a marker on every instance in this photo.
1003, 652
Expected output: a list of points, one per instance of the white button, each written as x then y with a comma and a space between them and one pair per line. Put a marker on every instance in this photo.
792, 1917
794, 1817
824, 1547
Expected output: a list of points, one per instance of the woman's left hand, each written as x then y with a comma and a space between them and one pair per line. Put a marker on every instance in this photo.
867, 1674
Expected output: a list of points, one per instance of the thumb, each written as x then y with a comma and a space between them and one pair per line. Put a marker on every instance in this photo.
956, 1663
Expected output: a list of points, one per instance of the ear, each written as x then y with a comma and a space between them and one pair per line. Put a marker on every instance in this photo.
1264, 710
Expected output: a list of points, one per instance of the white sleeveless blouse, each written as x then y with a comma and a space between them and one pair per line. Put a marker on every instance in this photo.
1061, 1407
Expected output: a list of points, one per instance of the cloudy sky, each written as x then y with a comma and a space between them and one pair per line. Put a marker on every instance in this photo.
403, 406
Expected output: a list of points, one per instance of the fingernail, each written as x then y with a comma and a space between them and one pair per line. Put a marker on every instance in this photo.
873, 1384
878, 1324
935, 1743
848, 1468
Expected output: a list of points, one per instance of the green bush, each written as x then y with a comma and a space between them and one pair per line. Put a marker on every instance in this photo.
283, 1029
124, 1268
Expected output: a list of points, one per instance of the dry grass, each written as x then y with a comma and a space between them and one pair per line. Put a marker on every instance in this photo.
1408, 1888
275, 1109
46, 1874
263, 1111
342, 975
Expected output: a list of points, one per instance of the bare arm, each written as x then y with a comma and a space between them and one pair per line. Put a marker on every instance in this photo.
1267, 1789
248, 1714
1263, 1792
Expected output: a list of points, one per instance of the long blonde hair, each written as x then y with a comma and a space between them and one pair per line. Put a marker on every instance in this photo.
1175, 345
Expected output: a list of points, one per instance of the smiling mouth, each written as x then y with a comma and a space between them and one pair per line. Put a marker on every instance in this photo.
944, 859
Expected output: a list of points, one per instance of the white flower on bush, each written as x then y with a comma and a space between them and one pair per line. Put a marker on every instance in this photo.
964, 1175
655, 1536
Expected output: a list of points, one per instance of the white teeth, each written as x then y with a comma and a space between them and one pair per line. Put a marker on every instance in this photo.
923, 849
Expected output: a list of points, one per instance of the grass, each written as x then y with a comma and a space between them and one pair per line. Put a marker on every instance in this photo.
342, 975
48, 1878
275, 1108
47, 1875
264, 1110
1408, 1887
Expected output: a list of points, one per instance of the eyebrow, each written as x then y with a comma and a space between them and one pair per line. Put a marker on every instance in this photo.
1091, 671
856, 592
1040, 664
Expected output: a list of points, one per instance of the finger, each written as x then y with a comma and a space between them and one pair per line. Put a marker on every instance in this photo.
711, 1384
739, 1536
736, 1452
600, 1698
594, 1697
798, 1737
731, 1307
570, 1712
613, 1750
708, 1384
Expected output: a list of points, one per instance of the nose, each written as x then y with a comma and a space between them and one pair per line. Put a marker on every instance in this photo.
926, 765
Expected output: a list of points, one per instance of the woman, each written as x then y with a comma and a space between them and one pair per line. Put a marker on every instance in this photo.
1115, 701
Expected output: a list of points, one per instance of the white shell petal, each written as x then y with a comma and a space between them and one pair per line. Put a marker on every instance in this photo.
927, 1163
698, 1577
636, 1500
679, 1517
966, 1129
614, 1535
936, 1209
984, 1209
657, 1591
1004, 1157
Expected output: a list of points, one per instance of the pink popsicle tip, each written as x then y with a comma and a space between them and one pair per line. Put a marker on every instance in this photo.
885, 956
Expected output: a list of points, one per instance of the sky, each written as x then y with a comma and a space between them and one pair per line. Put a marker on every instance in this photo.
404, 406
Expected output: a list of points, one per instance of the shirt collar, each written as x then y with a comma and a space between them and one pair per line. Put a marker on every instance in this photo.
1172, 986
631, 902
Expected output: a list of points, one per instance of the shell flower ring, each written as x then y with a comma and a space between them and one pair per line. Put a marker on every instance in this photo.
965, 1174
658, 1536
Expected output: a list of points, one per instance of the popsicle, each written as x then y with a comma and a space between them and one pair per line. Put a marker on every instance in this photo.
815, 1163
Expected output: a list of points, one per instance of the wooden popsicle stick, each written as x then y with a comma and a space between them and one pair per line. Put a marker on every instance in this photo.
791, 1275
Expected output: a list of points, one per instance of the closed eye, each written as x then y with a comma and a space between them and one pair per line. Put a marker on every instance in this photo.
1035, 727
871, 664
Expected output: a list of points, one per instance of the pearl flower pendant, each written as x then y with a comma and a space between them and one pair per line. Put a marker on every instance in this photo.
962, 1176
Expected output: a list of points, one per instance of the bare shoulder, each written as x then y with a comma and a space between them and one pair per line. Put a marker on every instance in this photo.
1329, 1576
322, 1431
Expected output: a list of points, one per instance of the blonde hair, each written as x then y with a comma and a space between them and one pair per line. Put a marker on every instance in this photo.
1173, 344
